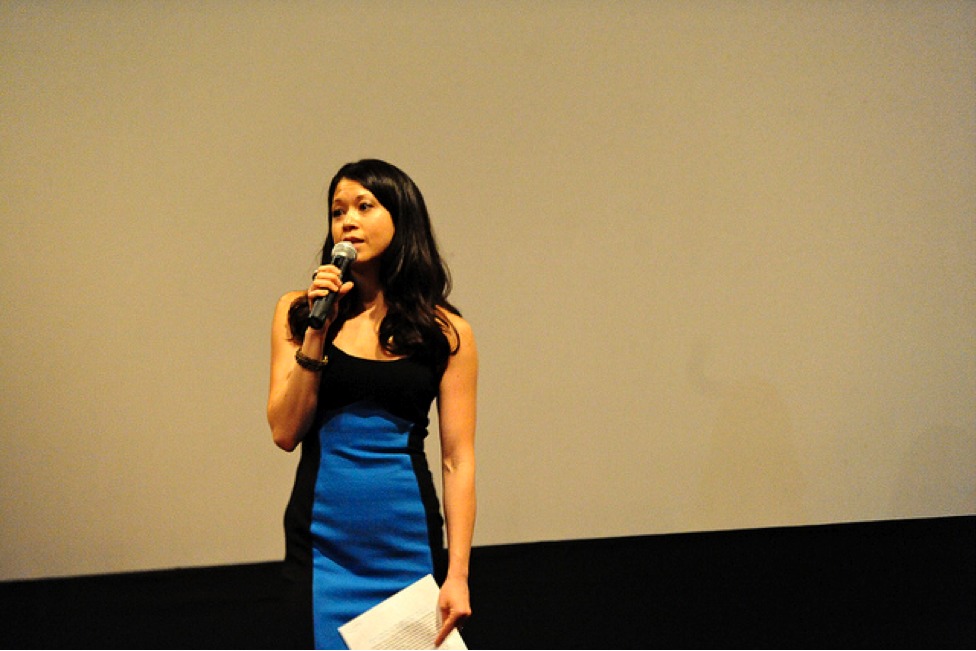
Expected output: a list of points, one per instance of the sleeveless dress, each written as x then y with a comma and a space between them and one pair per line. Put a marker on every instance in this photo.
363, 520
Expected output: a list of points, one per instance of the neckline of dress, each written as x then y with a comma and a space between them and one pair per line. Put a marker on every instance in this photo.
366, 359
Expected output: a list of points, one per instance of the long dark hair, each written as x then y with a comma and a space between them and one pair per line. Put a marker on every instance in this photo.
414, 277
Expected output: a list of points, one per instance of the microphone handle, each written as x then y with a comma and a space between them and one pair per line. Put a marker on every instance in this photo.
322, 306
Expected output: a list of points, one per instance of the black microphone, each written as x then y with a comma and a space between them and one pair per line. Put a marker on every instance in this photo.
343, 254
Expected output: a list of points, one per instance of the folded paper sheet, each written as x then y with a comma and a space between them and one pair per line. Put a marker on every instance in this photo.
407, 620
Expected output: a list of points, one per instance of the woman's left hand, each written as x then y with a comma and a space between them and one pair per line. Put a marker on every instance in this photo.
454, 607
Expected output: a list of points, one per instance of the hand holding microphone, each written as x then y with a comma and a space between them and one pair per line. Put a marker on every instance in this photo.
343, 255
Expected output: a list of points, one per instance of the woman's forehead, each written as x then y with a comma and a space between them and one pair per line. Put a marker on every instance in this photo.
347, 189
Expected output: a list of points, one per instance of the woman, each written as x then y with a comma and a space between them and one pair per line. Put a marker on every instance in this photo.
363, 520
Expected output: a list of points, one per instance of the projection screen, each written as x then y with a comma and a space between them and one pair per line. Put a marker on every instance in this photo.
719, 258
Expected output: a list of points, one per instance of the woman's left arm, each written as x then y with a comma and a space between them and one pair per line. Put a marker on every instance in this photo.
456, 409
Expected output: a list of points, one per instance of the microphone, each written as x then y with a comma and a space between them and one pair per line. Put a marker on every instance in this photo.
343, 254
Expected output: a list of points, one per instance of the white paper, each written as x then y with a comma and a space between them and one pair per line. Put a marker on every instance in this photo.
407, 620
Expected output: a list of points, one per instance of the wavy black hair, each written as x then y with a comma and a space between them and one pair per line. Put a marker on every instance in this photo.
415, 279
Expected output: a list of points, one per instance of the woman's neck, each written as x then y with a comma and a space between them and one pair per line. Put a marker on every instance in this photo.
369, 291
358, 334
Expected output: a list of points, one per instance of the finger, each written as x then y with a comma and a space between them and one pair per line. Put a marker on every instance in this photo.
443, 633
452, 621
445, 619
325, 281
323, 284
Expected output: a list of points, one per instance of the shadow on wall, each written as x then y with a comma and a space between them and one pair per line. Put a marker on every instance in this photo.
752, 464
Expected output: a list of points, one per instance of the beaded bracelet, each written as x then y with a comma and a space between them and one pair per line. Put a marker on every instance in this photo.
308, 363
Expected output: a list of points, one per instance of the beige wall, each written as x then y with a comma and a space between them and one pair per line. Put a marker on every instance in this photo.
720, 258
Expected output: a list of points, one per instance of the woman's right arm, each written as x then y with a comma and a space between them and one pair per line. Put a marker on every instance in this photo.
293, 393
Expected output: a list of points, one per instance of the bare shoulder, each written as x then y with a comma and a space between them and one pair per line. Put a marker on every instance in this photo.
285, 302
280, 326
288, 298
461, 334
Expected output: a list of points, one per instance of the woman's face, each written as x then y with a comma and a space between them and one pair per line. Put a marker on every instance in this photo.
360, 219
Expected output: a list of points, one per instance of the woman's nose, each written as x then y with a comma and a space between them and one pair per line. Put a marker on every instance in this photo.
349, 220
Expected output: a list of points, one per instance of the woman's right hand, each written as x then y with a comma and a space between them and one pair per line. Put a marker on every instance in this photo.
328, 280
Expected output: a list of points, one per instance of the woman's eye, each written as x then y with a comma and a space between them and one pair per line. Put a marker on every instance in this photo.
336, 213
364, 206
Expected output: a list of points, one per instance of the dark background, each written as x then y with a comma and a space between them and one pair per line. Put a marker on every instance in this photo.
888, 584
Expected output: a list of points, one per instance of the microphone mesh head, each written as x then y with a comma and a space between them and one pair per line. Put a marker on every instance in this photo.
344, 250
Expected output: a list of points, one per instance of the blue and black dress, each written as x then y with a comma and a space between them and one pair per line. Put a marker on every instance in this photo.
363, 520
